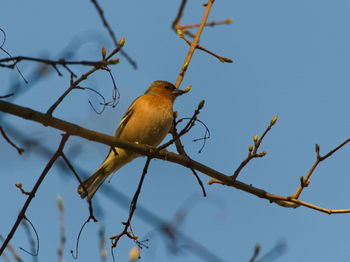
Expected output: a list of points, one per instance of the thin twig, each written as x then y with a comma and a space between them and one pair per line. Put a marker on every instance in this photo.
305, 181
6, 96
34, 251
127, 225
199, 181
1, 48
20, 187
256, 253
194, 44
62, 61
111, 33
75, 84
19, 149
70, 166
186, 129
33, 192
180, 148
252, 150
221, 58
179, 15
212, 23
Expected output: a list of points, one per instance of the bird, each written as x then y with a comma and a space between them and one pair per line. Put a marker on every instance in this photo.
147, 121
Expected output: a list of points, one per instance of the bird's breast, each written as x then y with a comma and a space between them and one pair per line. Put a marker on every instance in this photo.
149, 124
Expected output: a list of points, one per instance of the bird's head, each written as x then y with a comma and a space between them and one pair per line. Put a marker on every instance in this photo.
164, 89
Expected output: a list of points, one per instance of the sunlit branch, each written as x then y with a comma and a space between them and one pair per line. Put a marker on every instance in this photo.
194, 44
72, 129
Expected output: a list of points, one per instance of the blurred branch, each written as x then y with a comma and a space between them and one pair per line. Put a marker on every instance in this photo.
111, 33
61, 223
256, 253
21, 215
101, 245
191, 244
12, 251
75, 130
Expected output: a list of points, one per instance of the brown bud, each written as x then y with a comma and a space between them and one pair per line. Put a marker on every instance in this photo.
104, 52
229, 21
180, 33
250, 148
188, 89
263, 153
201, 105
225, 60
121, 42
274, 120
114, 61
317, 148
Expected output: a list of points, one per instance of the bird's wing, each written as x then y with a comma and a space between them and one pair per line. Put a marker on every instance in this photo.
125, 119
121, 127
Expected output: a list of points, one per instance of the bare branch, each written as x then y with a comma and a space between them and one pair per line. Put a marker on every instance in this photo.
252, 150
21, 215
194, 44
221, 58
75, 84
305, 181
62, 61
179, 15
111, 33
127, 225
146, 150
19, 150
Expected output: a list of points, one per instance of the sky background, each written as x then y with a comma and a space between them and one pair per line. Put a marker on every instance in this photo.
291, 59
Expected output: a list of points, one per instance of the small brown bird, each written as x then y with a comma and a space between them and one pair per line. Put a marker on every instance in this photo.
147, 121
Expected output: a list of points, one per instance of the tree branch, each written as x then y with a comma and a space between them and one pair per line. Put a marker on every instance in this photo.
111, 33
194, 44
75, 130
33, 192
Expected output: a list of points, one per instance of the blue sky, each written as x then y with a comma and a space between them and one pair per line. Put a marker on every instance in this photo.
291, 59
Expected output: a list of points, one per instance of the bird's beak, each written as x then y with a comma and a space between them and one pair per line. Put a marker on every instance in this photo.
178, 92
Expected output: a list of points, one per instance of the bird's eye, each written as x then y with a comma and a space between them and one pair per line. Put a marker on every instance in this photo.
167, 87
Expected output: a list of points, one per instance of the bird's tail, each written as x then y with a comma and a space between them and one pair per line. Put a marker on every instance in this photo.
115, 160
90, 185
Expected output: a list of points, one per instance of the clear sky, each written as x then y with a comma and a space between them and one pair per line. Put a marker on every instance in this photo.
291, 59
